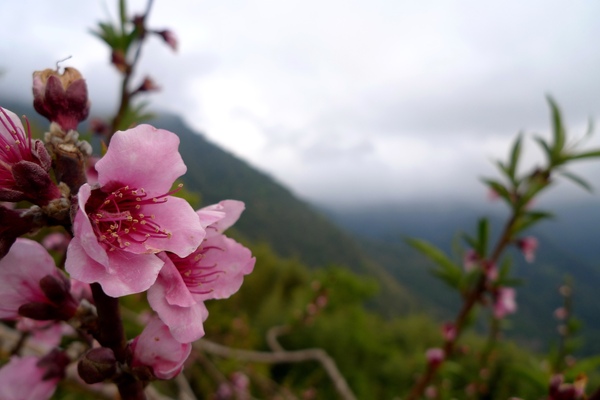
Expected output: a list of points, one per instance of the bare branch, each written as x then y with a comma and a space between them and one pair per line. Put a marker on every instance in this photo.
273, 334
281, 357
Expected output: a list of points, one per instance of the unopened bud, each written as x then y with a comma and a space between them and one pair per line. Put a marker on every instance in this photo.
62, 98
148, 85
40, 311
97, 365
449, 331
435, 356
118, 59
55, 287
169, 38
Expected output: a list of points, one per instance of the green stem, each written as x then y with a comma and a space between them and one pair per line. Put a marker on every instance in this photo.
471, 300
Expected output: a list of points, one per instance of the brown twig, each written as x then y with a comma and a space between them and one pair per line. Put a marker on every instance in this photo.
281, 357
112, 335
126, 94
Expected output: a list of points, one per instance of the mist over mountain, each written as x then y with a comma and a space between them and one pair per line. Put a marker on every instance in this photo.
568, 246
370, 240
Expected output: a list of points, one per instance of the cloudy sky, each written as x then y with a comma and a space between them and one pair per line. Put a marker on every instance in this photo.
344, 101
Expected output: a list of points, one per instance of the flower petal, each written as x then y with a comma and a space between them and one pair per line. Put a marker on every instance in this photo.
232, 210
142, 157
156, 348
175, 306
232, 260
179, 218
22, 379
129, 273
84, 232
20, 272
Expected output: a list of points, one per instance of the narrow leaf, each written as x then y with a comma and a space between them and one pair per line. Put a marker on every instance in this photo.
499, 188
514, 157
483, 234
557, 127
577, 180
433, 253
470, 241
503, 168
587, 154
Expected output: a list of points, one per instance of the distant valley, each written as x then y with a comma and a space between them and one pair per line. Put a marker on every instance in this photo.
370, 241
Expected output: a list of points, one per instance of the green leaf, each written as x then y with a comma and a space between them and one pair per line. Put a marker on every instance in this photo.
585, 365
433, 253
483, 234
577, 180
499, 188
530, 218
545, 147
557, 128
470, 241
514, 157
531, 373
504, 269
587, 154
448, 271
451, 277
503, 168
122, 15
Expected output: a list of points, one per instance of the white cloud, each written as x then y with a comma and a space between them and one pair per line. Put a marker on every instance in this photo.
343, 100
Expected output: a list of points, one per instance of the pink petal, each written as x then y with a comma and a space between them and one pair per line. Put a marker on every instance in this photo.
142, 157
12, 117
232, 260
175, 292
232, 209
175, 306
83, 231
20, 272
129, 273
179, 218
185, 323
157, 348
21, 379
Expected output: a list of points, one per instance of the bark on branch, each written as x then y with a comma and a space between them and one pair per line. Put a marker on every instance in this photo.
282, 357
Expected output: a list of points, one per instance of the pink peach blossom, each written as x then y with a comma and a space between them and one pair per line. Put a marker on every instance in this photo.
214, 271
561, 313
528, 246
505, 302
470, 260
28, 278
449, 331
23, 379
435, 356
57, 241
156, 348
45, 335
24, 164
121, 225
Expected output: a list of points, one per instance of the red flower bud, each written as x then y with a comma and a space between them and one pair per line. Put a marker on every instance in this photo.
169, 38
97, 365
62, 98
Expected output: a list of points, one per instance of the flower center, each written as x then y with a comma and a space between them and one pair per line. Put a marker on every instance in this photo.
121, 218
13, 148
195, 272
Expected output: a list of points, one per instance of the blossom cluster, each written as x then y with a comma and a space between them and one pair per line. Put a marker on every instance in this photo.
124, 232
